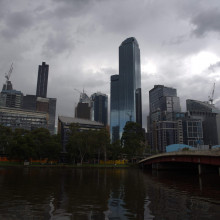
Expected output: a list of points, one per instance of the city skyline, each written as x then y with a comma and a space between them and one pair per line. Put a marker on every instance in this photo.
79, 40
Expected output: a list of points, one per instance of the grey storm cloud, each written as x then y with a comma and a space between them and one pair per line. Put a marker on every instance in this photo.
214, 67
58, 43
79, 39
71, 8
16, 24
207, 21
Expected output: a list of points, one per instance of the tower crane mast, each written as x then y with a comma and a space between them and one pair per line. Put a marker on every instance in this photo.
8, 74
211, 97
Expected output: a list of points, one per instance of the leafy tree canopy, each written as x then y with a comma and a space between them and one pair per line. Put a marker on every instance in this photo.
132, 139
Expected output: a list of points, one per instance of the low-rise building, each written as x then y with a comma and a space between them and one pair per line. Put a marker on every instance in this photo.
65, 122
20, 118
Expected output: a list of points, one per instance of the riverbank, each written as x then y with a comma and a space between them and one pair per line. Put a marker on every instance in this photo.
18, 164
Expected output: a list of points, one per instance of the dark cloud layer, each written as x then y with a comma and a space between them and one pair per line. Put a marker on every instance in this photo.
207, 21
16, 24
214, 67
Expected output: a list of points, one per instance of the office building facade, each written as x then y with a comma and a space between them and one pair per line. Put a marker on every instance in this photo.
83, 110
164, 100
47, 105
84, 107
210, 117
42, 80
182, 130
100, 107
128, 86
114, 108
29, 102
163, 103
25, 119
11, 98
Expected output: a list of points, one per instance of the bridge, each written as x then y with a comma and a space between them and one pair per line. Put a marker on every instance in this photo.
183, 159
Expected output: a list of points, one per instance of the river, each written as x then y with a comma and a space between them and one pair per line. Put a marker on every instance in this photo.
114, 194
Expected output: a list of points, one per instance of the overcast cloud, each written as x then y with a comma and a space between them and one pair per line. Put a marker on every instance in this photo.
79, 39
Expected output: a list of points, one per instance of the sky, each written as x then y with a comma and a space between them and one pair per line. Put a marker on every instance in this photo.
179, 43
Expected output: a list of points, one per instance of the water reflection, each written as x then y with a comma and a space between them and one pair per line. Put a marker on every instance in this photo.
98, 194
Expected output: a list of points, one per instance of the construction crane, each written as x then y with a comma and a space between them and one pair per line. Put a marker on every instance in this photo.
211, 97
8, 74
78, 91
83, 96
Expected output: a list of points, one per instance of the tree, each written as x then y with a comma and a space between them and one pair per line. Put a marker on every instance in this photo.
103, 141
78, 143
132, 139
5, 139
21, 146
45, 145
52, 148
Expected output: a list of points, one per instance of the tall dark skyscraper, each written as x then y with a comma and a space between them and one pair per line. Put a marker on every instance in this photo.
100, 107
42, 80
114, 108
127, 87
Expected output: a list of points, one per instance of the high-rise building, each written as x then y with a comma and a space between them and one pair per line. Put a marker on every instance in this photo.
83, 108
210, 117
47, 105
128, 86
42, 80
52, 114
9, 97
164, 100
114, 108
162, 129
100, 107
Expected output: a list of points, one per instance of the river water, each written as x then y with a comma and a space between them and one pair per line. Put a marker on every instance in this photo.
89, 193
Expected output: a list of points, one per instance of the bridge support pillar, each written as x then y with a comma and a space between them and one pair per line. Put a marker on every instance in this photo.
200, 168
155, 166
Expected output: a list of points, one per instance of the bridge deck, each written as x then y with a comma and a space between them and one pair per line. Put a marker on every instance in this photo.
214, 153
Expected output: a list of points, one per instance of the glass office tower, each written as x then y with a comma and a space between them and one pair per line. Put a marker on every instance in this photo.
127, 86
100, 107
114, 111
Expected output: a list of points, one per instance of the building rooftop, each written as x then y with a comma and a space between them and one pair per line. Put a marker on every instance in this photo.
9, 110
12, 92
129, 40
161, 86
69, 120
195, 105
114, 77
